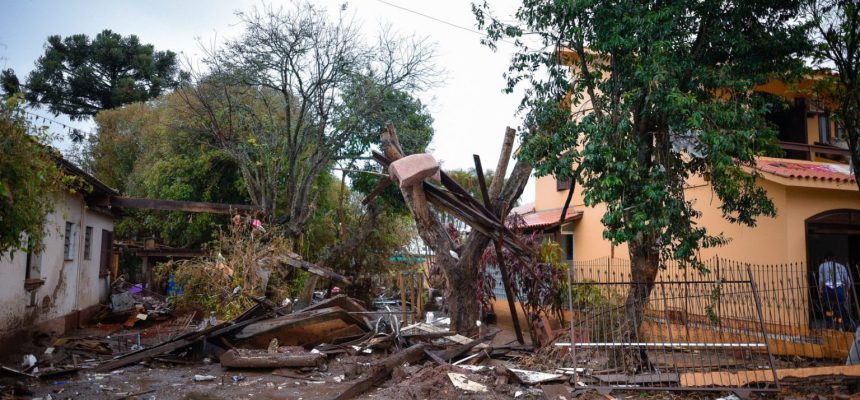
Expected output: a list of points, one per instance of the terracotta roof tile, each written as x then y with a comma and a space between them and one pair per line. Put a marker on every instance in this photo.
816, 171
547, 218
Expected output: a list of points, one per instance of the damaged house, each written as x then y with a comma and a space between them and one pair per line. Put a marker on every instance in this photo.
64, 282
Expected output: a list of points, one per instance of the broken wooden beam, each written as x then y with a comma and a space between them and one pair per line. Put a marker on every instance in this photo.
240, 358
294, 260
177, 205
743, 378
184, 341
304, 328
379, 371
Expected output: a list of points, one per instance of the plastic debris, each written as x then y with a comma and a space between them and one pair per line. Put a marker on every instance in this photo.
203, 378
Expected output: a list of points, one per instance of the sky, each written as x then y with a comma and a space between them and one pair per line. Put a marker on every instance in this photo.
469, 109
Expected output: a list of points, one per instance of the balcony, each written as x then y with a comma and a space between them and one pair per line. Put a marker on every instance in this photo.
803, 151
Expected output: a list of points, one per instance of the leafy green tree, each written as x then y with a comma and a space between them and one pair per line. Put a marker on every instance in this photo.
29, 180
306, 72
633, 98
79, 77
145, 150
836, 32
9, 83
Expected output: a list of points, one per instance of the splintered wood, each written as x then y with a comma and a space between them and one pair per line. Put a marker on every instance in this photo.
742, 378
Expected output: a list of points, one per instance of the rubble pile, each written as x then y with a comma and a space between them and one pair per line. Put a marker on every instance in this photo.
337, 342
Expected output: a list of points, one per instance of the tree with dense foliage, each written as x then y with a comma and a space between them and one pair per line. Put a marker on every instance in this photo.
9, 84
836, 32
307, 74
631, 99
79, 76
29, 180
145, 150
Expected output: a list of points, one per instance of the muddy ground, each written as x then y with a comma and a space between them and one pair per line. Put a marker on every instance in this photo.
156, 380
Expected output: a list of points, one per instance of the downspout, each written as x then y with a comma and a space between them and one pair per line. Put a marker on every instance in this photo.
79, 257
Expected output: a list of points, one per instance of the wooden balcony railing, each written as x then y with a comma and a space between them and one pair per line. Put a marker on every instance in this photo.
809, 149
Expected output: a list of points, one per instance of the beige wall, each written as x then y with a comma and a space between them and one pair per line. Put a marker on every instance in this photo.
69, 285
780, 239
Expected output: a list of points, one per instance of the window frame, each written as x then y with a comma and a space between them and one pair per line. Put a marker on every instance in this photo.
69, 242
562, 184
88, 242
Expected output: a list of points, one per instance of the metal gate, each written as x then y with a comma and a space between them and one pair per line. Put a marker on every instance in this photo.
693, 335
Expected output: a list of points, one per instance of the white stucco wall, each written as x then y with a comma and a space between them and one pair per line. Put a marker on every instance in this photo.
69, 285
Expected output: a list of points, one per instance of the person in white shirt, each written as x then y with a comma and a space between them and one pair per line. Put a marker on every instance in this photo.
833, 283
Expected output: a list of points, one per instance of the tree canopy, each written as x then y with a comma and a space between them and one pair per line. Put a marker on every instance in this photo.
79, 76
836, 34
633, 98
318, 88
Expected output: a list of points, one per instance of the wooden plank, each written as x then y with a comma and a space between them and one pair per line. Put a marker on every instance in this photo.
834, 344
670, 377
304, 328
170, 253
667, 345
176, 205
294, 261
236, 358
183, 341
500, 259
742, 378
379, 371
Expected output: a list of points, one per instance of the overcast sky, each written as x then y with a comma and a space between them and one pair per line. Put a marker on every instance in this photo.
469, 109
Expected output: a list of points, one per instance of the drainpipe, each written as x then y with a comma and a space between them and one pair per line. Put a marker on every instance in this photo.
79, 257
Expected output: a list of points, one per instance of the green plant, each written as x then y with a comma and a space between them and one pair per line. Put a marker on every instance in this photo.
30, 178
237, 260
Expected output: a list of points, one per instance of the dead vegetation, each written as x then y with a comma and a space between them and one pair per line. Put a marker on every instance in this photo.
235, 270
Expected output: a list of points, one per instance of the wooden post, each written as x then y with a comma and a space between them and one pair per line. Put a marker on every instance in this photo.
420, 294
402, 296
413, 286
499, 256
146, 275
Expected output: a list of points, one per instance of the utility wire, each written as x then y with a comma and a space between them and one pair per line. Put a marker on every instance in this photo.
442, 21
71, 129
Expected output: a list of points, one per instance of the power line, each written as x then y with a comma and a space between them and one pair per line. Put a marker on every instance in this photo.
442, 21
73, 131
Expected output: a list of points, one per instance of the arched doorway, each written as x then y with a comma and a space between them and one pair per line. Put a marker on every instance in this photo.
836, 232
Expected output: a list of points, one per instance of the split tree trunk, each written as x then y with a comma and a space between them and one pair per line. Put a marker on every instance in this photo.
459, 264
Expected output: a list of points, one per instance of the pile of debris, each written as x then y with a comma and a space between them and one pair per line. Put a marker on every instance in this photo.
368, 348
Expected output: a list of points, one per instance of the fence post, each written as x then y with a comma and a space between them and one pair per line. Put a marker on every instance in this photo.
763, 327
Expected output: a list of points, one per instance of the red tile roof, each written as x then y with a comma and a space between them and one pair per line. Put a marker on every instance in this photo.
545, 218
816, 171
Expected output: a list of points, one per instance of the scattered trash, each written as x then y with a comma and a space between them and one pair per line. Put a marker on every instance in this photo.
204, 378
461, 382
533, 377
29, 362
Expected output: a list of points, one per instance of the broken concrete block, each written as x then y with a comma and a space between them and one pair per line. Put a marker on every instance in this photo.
413, 169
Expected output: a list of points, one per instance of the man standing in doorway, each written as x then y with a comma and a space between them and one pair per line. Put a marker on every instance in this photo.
833, 283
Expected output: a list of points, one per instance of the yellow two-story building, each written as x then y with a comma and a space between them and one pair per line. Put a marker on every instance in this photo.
818, 212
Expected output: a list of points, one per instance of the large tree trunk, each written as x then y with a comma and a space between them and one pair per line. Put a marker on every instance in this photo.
644, 265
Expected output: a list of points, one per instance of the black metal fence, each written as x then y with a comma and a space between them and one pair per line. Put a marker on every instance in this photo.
803, 320
646, 341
